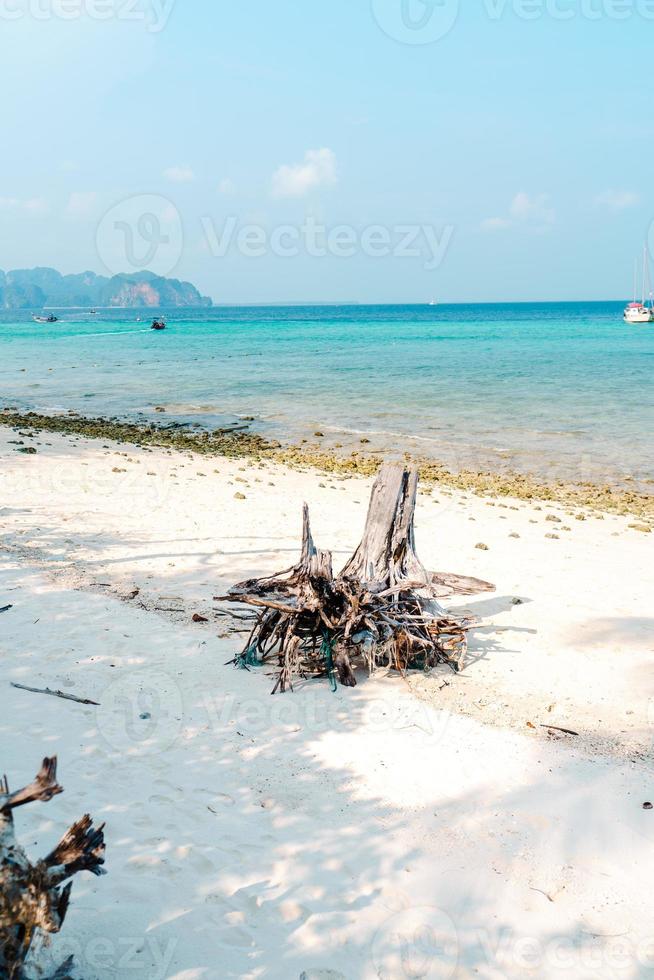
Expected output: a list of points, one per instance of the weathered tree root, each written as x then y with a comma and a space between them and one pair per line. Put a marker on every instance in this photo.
31, 896
382, 609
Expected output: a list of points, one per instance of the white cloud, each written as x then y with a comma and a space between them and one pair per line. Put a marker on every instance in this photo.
81, 204
532, 209
227, 187
524, 211
495, 224
617, 200
179, 175
31, 205
296, 180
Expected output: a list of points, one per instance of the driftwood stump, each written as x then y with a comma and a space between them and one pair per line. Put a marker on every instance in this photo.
382, 609
31, 896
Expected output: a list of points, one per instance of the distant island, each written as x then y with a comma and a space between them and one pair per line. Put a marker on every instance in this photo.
27, 289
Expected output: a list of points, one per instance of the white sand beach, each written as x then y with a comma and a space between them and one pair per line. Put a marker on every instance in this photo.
427, 827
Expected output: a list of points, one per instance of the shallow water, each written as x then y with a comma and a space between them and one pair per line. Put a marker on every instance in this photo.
558, 390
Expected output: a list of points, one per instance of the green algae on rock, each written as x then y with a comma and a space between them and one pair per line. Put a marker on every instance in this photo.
237, 443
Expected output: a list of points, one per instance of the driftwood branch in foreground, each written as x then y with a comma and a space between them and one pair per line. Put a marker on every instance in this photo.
31, 897
54, 694
381, 610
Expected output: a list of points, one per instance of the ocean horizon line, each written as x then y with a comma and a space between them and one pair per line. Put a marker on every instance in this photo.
331, 304
436, 305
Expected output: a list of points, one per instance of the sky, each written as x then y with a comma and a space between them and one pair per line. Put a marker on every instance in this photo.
374, 151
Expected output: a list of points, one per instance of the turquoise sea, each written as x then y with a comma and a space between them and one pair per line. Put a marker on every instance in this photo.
559, 390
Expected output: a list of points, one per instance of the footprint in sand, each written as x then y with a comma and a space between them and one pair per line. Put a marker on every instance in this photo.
198, 861
215, 801
141, 821
152, 843
176, 793
64, 682
236, 937
245, 909
215, 899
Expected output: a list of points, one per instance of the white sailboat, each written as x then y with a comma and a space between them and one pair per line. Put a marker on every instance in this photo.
639, 312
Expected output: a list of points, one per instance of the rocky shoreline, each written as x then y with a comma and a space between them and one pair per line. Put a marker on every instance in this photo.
238, 442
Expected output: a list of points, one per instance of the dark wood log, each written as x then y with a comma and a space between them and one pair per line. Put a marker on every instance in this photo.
343, 666
386, 556
313, 562
31, 897
381, 610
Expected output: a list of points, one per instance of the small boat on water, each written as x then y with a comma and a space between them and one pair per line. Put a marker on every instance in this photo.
45, 319
159, 324
640, 312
